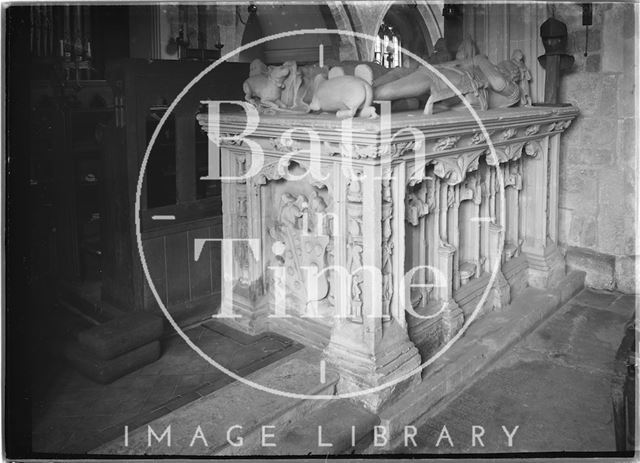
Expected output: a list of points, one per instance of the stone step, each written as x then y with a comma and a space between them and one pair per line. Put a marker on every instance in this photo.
86, 300
237, 404
107, 371
339, 427
121, 335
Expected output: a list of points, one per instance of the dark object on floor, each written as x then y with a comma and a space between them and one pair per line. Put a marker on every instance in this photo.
623, 389
107, 371
121, 335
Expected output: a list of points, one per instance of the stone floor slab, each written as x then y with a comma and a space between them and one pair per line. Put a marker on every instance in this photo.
177, 378
596, 298
554, 385
579, 337
538, 397
235, 404
337, 427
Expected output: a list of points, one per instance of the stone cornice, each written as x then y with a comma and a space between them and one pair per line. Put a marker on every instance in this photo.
453, 142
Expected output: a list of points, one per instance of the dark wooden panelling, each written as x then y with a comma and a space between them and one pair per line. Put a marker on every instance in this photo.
118, 266
200, 270
177, 249
155, 257
141, 85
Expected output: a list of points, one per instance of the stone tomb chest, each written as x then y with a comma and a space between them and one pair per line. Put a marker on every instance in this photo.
382, 243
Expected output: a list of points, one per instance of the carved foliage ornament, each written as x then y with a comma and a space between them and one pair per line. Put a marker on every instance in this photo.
479, 138
446, 143
287, 145
453, 169
532, 129
355, 151
508, 133
231, 139
559, 125
505, 153
387, 244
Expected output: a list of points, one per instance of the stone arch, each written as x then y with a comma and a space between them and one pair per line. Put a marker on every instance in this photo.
348, 48
336, 16
367, 18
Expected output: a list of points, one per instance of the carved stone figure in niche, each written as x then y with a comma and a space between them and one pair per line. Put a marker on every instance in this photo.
354, 256
416, 208
264, 86
482, 82
346, 95
291, 209
354, 193
319, 220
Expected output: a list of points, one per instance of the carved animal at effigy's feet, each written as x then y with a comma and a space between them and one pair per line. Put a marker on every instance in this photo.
264, 86
346, 95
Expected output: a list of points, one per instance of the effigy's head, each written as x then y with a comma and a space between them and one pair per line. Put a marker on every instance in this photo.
467, 49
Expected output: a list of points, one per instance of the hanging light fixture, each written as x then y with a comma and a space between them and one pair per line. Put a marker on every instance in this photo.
451, 11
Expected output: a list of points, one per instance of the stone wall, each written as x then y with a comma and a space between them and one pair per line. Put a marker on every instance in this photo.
598, 166
598, 192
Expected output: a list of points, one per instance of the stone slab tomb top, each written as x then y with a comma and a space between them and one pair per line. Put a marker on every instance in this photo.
503, 125
454, 119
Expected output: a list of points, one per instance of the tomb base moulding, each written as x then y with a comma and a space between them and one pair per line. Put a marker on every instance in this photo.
387, 227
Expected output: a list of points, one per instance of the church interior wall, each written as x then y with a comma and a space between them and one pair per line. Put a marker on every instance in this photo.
597, 216
598, 168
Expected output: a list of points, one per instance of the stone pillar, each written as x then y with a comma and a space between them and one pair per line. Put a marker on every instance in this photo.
500, 294
539, 206
241, 221
452, 317
371, 347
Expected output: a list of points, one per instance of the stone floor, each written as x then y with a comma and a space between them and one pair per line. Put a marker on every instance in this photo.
72, 414
554, 385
